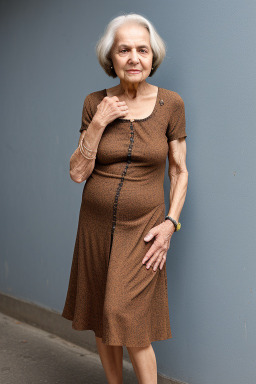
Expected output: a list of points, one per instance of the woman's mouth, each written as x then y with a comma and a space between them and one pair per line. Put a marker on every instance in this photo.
133, 71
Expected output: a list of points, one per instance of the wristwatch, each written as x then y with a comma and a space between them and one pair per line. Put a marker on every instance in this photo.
177, 225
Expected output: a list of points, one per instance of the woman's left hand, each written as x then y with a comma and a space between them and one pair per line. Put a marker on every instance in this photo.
158, 250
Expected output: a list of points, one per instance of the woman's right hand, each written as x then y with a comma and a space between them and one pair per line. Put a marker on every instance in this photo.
108, 110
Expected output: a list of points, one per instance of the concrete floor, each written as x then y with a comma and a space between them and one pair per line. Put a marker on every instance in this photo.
29, 355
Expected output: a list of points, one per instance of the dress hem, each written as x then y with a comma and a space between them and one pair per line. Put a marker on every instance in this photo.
118, 343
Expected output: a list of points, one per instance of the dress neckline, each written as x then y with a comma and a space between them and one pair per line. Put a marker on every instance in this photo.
145, 118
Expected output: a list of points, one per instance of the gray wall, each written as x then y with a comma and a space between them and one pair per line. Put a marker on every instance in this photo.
48, 66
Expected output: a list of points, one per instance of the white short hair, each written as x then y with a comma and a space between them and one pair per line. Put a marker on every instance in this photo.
105, 43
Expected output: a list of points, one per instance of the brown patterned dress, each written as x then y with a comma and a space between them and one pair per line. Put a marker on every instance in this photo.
110, 291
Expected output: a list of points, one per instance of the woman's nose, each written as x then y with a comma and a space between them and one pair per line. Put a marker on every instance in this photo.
134, 56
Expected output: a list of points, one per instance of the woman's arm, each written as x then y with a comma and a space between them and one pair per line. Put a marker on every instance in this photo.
80, 167
107, 110
179, 180
178, 175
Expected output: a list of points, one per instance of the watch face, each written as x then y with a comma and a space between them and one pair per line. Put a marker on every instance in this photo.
178, 227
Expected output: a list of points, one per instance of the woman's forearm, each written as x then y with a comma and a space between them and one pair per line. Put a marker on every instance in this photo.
81, 167
178, 191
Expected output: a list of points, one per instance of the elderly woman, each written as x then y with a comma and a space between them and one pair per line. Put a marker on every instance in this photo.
118, 280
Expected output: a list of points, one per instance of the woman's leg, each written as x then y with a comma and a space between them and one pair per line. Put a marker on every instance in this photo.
144, 363
112, 361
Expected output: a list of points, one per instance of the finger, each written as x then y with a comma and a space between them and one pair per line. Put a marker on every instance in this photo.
163, 261
121, 103
154, 247
114, 98
158, 261
149, 236
153, 259
152, 233
124, 113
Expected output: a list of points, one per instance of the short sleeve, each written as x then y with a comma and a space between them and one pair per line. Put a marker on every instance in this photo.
177, 124
86, 114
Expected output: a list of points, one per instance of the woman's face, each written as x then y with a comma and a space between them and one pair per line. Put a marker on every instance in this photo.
132, 50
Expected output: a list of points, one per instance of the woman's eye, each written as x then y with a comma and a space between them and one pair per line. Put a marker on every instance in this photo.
126, 50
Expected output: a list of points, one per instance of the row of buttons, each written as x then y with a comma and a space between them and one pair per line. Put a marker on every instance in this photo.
122, 178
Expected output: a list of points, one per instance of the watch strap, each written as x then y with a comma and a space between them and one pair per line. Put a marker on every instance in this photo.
176, 224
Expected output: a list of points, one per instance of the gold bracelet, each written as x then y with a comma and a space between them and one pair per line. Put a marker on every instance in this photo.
87, 152
90, 150
84, 155
88, 156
